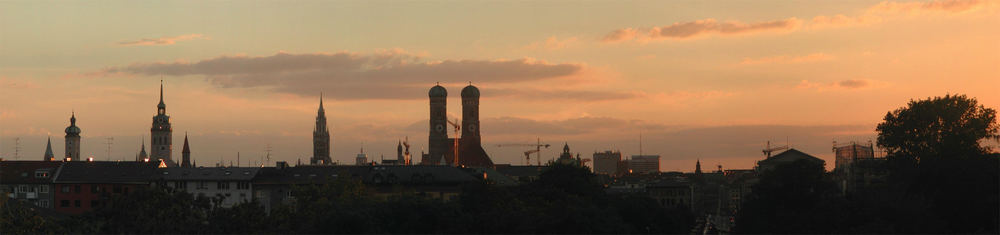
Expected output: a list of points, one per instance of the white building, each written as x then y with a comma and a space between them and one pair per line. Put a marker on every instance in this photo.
232, 184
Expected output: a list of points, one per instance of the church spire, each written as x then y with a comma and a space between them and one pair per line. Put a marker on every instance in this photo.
186, 153
48, 151
321, 103
161, 105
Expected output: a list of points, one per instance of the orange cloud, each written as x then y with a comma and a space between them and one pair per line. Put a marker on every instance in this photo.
684, 30
874, 14
849, 84
553, 43
887, 10
784, 59
162, 41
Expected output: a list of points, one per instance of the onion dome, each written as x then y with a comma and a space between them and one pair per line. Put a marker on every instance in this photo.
437, 91
72, 129
470, 92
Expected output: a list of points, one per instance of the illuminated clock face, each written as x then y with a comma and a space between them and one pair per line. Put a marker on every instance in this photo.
439, 128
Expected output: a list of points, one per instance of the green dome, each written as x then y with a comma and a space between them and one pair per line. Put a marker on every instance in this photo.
470, 92
72, 130
437, 91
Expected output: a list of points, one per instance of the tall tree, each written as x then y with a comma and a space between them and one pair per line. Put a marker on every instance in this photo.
952, 125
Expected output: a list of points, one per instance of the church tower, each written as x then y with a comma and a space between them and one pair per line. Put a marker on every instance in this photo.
321, 138
161, 135
142, 152
73, 139
471, 150
437, 141
49, 156
186, 153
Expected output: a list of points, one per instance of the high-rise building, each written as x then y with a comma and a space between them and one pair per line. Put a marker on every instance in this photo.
161, 134
471, 151
438, 145
73, 139
644, 164
607, 162
321, 138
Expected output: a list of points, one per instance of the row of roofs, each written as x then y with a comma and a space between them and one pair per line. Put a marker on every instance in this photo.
41, 172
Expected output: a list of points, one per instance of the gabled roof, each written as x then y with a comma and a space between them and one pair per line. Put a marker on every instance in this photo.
106, 172
423, 174
788, 156
208, 173
23, 172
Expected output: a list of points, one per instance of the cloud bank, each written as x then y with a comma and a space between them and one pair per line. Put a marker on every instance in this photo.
683, 30
391, 74
874, 14
161, 41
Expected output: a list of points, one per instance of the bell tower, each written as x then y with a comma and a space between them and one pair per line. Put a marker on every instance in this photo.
73, 139
161, 134
437, 141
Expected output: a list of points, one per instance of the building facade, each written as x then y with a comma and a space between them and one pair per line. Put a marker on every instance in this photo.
607, 162
231, 185
29, 181
82, 186
644, 164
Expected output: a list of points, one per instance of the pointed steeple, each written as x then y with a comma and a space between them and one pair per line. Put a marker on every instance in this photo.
72, 119
48, 151
187, 149
161, 105
321, 103
186, 153
142, 151
697, 167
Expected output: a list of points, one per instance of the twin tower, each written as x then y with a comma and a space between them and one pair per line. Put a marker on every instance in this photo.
464, 151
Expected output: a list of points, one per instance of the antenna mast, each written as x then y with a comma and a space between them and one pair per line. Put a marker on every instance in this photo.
109, 141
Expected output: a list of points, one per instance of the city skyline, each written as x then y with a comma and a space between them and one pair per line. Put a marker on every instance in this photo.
699, 82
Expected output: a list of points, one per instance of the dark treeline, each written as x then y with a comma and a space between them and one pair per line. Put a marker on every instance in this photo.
940, 179
566, 199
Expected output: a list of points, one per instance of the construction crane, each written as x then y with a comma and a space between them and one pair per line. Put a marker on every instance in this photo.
768, 149
538, 150
457, 129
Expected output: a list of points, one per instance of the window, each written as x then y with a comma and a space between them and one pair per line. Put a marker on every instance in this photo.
95, 189
43, 189
23, 189
223, 185
94, 203
117, 189
65, 189
243, 185
41, 174
76, 203
202, 185
126, 190
43, 203
64, 203
76, 188
180, 184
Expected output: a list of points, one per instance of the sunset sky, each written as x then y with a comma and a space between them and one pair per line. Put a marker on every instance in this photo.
709, 80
